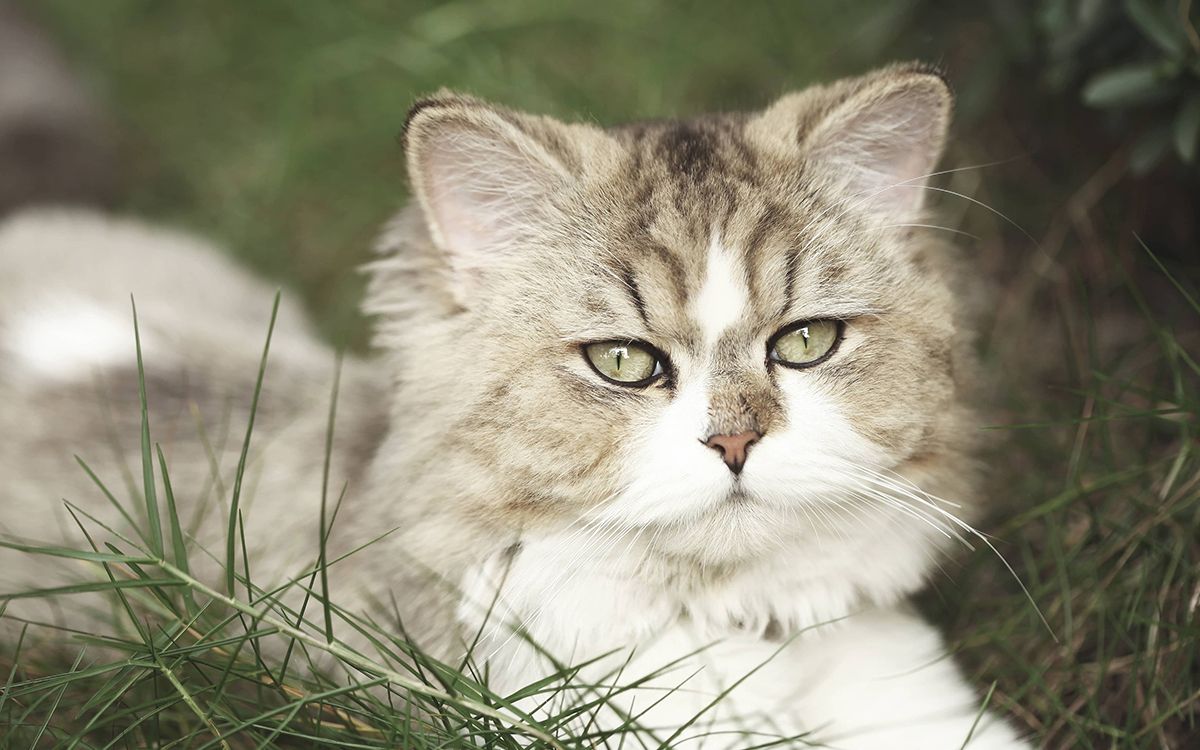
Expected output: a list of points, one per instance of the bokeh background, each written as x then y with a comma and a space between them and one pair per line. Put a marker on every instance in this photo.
270, 126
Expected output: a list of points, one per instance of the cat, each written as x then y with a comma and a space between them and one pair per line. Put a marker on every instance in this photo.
681, 392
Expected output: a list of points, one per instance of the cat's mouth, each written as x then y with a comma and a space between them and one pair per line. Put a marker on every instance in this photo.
737, 495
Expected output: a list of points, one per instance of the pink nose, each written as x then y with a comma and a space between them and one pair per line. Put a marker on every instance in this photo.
733, 448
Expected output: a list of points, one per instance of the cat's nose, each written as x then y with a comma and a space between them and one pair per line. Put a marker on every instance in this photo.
733, 448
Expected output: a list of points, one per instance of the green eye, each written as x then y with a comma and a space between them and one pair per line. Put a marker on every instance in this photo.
623, 362
805, 344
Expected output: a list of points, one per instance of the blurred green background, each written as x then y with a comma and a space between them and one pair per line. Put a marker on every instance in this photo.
271, 127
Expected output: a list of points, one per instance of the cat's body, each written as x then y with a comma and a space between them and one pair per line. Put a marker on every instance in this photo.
69, 387
518, 486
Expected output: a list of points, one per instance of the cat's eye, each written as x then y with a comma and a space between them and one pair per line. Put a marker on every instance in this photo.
806, 343
624, 362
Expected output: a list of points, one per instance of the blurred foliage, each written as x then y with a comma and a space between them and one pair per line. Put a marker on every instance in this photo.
1134, 57
1135, 63
1093, 105
270, 125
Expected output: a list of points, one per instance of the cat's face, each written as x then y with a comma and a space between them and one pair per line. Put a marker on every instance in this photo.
725, 324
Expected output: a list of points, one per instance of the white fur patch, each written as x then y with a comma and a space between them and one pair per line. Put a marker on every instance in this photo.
874, 679
672, 474
68, 338
723, 297
807, 458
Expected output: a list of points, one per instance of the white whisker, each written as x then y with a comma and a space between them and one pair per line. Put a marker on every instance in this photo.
928, 502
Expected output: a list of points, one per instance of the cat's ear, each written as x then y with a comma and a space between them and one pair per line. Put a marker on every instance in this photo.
878, 136
483, 176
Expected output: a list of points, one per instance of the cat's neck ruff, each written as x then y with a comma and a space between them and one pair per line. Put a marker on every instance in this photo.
645, 579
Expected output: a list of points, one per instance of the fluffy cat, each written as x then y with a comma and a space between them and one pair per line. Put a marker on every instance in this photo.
682, 393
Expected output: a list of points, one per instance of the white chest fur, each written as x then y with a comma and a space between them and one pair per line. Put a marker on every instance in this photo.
730, 666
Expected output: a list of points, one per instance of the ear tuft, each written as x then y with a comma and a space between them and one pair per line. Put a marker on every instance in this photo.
440, 99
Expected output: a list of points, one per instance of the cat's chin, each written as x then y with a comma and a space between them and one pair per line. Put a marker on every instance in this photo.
742, 527
737, 497
736, 527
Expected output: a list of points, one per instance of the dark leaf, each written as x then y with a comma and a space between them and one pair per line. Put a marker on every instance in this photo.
1159, 26
1126, 86
1187, 129
1149, 149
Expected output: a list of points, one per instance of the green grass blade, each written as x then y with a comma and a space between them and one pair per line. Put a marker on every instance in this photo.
57, 700
231, 535
353, 658
1195, 305
178, 547
133, 619
76, 554
155, 531
93, 586
321, 532
987, 700
112, 500
188, 699
12, 672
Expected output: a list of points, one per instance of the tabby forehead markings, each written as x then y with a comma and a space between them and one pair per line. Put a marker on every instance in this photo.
723, 296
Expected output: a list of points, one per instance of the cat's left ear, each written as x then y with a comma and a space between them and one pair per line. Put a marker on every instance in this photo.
877, 137
486, 179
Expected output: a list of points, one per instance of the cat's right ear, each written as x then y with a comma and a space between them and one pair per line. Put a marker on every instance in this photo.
878, 136
483, 177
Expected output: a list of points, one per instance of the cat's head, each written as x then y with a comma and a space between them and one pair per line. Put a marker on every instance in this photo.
727, 326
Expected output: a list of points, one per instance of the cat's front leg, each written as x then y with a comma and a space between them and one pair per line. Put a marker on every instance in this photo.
883, 680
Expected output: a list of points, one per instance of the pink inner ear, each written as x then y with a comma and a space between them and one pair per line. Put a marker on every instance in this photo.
481, 191
460, 216
901, 186
887, 151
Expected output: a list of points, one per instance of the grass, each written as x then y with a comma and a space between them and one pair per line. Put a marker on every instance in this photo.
1106, 534
270, 126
